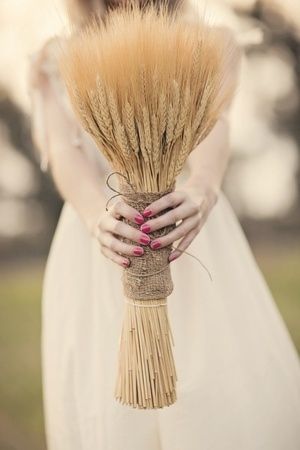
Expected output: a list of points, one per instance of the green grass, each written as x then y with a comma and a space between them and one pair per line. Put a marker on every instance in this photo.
281, 268
21, 421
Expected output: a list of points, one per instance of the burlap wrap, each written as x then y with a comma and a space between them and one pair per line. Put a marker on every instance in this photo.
148, 277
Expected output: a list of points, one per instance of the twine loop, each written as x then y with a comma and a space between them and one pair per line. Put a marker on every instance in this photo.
148, 276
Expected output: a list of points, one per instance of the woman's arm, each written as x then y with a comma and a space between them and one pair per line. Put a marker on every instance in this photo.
192, 204
78, 179
79, 182
209, 160
53, 128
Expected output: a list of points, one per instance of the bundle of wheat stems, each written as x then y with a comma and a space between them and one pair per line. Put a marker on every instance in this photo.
148, 87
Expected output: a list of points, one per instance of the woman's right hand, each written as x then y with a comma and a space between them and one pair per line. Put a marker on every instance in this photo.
110, 229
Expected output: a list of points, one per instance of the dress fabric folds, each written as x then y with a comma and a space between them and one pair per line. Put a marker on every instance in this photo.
238, 370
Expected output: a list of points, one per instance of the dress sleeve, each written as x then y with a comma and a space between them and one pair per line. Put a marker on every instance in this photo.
35, 82
42, 72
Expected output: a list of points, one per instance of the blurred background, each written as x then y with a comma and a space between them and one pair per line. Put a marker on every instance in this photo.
262, 183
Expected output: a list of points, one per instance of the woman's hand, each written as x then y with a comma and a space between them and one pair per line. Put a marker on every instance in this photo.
190, 206
109, 230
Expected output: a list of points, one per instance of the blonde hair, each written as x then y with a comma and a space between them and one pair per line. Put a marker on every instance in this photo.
81, 11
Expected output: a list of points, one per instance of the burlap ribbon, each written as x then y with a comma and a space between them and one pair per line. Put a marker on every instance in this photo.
148, 276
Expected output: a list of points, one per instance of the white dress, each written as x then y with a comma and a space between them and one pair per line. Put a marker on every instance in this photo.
238, 370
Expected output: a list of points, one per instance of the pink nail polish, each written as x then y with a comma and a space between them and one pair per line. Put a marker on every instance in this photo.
138, 251
139, 219
145, 228
147, 213
172, 257
145, 240
155, 244
125, 263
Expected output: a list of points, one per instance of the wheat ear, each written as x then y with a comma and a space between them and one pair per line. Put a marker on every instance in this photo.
128, 114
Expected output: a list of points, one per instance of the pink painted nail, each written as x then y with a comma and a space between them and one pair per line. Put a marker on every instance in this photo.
155, 244
173, 256
138, 251
125, 263
139, 219
145, 240
145, 228
147, 213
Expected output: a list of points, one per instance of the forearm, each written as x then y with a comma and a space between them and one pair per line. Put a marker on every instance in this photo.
209, 160
77, 179
78, 185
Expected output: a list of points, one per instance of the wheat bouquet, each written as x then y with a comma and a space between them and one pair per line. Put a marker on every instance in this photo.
148, 87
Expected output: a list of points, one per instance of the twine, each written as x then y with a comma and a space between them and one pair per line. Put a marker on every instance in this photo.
159, 283
148, 276
145, 305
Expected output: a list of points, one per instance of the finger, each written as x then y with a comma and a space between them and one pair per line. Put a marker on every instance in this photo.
118, 259
183, 245
127, 231
114, 244
167, 201
180, 231
122, 209
184, 210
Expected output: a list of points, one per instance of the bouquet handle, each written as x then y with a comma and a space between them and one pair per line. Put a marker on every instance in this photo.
147, 374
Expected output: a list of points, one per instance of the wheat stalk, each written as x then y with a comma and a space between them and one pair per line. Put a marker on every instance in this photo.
102, 99
155, 141
144, 153
183, 113
170, 125
128, 114
162, 113
185, 150
147, 131
148, 87
97, 108
176, 100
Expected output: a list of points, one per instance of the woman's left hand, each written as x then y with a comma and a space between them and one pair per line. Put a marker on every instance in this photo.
190, 206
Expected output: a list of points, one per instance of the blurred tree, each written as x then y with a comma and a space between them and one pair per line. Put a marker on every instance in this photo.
18, 126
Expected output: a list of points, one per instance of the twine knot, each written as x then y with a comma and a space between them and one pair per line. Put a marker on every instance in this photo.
148, 276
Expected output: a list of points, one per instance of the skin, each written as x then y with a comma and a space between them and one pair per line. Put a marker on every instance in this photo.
190, 209
191, 204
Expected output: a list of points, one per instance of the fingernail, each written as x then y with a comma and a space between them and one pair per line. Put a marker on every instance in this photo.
145, 240
155, 244
138, 251
172, 257
139, 219
147, 212
145, 228
125, 262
